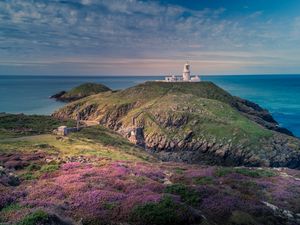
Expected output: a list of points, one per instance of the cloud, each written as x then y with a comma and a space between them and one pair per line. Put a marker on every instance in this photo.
133, 29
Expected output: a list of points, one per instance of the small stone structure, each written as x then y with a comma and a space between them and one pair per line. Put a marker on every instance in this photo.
64, 130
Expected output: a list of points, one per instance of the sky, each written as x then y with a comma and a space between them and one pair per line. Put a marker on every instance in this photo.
140, 37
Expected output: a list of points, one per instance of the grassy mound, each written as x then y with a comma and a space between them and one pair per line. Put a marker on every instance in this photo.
173, 112
83, 90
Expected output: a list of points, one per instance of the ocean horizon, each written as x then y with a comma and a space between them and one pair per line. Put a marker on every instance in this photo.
277, 93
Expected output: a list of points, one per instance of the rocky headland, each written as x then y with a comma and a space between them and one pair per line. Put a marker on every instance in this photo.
96, 176
191, 122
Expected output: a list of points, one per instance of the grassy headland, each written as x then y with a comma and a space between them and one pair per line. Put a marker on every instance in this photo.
191, 122
97, 177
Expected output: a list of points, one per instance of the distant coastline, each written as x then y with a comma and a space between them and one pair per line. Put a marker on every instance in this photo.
277, 93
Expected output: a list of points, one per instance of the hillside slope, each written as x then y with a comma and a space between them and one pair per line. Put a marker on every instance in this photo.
96, 176
191, 122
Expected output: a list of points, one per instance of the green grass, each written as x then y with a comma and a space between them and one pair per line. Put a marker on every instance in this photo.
179, 170
29, 176
104, 136
49, 168
24, 125
223, 171
92, 141
187, 195
165, 212
34, 171
111, 140
204, 180
33, 167
255, 173
37, 217
85, 90
11, 207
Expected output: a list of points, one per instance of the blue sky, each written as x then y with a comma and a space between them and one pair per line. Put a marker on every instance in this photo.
133, 37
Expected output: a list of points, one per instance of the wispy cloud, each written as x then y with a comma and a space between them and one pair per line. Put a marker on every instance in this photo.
33, 33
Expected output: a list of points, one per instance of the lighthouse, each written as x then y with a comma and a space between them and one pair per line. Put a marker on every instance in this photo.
186, 75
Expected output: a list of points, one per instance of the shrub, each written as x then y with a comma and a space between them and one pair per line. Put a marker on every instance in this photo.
34, 218
5, 199
11, 207
204, 180
33, 167
49, 168
165, 212
186, 194
255, 173
223, 171
179, 170
29, 176
241, 218
219, 207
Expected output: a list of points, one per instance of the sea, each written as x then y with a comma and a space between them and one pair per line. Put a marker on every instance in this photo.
280, 94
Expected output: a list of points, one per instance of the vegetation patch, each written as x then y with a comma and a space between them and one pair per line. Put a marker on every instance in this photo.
33, 167
11, 207
82, 91
179, 170
255, 173
30, 176
223, 171
187, 195
37, 217
242, 218
165, 212
204, 180
23, 125
49, 168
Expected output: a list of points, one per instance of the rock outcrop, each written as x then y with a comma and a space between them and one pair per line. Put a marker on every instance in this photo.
259, 115
193, 123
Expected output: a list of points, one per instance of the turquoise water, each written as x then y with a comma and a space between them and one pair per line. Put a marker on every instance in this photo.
280, 94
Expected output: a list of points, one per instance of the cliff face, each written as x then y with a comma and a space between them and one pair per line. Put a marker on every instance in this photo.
259, 115
192, 122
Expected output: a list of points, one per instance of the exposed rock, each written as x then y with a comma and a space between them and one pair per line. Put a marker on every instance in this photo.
58, 95
259, 115
194, 123
290, 217
8, 178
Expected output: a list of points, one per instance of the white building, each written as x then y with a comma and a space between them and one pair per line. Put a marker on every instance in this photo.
186, 76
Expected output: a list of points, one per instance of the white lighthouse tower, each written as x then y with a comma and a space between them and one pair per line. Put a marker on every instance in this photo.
186, 75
